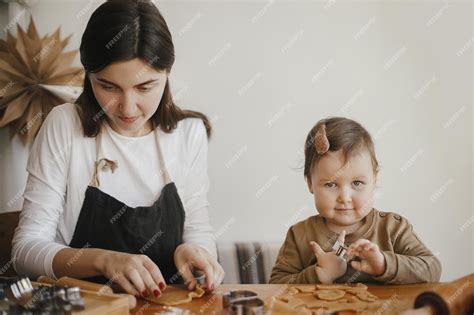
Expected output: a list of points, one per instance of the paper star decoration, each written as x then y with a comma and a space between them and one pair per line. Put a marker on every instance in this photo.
35, 76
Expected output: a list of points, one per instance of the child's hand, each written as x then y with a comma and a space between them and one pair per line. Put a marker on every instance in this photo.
329, 267
372, 260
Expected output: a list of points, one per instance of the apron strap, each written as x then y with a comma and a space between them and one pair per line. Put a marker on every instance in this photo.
103, 164
163, 168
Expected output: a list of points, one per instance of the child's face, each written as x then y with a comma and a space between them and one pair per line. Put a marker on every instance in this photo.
343, 193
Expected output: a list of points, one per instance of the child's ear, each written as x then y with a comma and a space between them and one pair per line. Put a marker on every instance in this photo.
310, 184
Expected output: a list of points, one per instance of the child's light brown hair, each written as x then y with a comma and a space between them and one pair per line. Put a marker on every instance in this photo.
334, 134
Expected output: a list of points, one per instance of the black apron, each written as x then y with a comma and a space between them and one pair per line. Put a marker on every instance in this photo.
107, 223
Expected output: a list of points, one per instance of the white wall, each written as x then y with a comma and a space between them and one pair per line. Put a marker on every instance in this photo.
472, 152
265, 72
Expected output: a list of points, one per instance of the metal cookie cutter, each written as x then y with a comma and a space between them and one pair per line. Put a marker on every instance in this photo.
22, 288
243, 302
73, 296
199, 276
43, 299
340, 249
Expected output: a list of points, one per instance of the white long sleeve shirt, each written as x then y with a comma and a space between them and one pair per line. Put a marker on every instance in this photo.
60, 167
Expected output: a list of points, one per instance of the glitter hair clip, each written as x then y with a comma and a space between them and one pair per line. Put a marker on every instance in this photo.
321, 140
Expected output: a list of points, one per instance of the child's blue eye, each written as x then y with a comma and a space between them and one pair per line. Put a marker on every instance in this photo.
330, 185
358, 183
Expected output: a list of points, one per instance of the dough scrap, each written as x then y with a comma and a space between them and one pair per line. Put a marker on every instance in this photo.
174, 295
349, 288
360, 286
295, 302
293, 291
353, 307
323, 304
305, 288
332, 286
329, 295
285, 297
302, 310
366, 296
279, 307
307, 299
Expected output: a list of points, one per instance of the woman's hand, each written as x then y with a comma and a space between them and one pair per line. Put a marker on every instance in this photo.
188, 257
136, 274
372, 260
329, 267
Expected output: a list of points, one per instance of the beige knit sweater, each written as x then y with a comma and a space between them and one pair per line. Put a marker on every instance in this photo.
408, 259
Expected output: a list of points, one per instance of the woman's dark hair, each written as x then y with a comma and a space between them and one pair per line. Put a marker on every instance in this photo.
123, 30
342, 134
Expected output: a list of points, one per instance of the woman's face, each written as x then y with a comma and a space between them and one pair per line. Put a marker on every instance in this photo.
129, 93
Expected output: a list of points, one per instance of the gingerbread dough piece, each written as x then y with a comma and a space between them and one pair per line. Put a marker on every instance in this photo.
174, 295
329, 298
285, 297
295, 302
329, 295
278, 307
360, 286
352, 307
305, 288
366, 296
293, 291
353, 299
302, 310
332, 286
307, 298
377, 305
275, 305
355, 291
323, 304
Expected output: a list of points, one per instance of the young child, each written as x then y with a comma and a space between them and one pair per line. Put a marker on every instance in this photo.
341, 172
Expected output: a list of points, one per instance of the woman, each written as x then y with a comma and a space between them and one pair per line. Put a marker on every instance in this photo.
101, 199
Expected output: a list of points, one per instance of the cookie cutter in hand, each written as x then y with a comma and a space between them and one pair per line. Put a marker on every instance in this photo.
242, 302
199, 276
341, 251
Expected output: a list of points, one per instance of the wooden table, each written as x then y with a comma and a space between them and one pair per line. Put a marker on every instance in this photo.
213, 302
